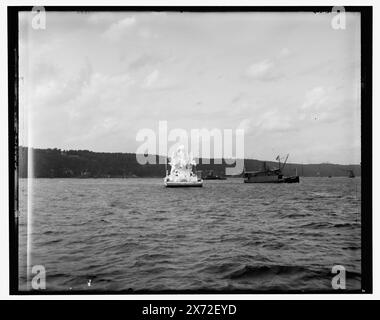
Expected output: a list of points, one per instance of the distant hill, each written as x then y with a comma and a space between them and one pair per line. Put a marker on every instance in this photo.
57, 163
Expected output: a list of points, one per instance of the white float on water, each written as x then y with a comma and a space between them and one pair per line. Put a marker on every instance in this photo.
181, 172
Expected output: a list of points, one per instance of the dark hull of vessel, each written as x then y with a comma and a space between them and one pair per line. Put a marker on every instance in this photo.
197, 184
295, 179
269, 175
272, 179
263, 179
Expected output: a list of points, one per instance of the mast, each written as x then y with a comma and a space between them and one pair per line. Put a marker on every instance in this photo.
286, 159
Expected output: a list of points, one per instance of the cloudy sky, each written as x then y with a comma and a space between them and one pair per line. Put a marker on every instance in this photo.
93, 80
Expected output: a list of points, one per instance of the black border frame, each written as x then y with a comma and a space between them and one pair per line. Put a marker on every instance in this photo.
366, 140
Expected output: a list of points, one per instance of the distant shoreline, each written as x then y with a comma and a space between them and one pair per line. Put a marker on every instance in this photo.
217, 181
57, 163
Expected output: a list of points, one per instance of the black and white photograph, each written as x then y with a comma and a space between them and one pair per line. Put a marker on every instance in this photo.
191, 150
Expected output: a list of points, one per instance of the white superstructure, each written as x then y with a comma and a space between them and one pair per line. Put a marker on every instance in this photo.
181, 172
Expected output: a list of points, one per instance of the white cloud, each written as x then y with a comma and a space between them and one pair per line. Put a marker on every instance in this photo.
274, 121
268, 69
147, 34
151, 78
117, 29
285, 52
100, 17
315, 98
319, 106
156, 80
262, 70
245, 125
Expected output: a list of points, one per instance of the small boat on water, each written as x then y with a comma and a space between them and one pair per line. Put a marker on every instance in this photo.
351, 173
182, 172
212, 176
267, 175
293, 179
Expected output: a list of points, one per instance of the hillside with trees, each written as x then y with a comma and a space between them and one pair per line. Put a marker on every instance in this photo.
57, 163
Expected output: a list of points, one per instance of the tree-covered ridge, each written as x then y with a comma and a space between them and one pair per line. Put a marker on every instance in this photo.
57, 163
